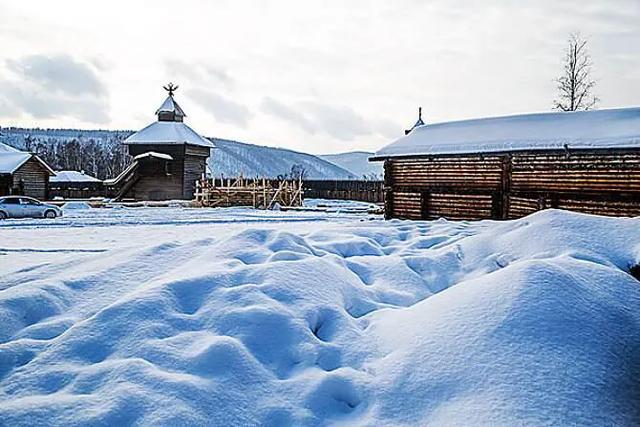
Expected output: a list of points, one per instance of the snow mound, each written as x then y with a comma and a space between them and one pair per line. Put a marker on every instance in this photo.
526, 322
76, 205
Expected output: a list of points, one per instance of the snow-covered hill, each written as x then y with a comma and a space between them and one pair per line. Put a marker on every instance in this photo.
230, 158
233, 158
357, 162
242, 317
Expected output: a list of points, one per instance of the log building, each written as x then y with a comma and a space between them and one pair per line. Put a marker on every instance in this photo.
168, 158
509, 167
75, 185
23, 173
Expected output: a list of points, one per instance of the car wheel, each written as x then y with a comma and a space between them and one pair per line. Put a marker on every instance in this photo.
3, 216
50, 214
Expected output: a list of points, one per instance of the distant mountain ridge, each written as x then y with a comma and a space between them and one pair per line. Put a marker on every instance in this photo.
230, 158
358, 163
233, 158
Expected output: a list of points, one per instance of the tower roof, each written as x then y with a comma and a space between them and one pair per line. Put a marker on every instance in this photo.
170, 106
169, 129
170, 111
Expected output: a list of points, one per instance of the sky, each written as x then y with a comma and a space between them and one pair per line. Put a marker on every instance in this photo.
314, 76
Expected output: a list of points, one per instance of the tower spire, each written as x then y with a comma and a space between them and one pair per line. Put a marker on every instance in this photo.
170, 88
170, 111
420, 122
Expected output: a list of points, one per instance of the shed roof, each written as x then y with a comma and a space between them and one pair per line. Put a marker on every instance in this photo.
615, 128
73, 176
174, 133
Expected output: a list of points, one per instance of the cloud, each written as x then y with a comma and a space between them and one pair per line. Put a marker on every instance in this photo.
54, 86
198, 73
223, 109
340, 122
60, 73
278, 109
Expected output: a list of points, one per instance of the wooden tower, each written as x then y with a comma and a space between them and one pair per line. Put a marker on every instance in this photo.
168, 155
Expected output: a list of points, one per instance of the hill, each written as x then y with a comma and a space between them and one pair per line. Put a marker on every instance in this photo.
357, 162
230, 158
233, 158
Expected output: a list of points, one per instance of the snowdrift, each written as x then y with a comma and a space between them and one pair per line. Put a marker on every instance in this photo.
527, 322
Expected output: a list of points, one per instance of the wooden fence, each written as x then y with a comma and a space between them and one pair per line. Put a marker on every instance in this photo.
257, 193
365, 191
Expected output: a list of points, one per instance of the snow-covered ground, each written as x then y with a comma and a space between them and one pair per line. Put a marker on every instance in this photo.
171, 316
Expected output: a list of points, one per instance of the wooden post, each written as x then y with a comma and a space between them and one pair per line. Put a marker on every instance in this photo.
388, 188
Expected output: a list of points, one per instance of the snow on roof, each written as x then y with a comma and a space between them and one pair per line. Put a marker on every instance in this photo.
9, 162
153, 154
619, 128
4, 148
11, 159
171, 106
73, 176
168, 133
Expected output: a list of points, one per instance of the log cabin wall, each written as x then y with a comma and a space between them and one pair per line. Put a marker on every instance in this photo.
194, 169
31, 179
5, 184
156, 179
512, 185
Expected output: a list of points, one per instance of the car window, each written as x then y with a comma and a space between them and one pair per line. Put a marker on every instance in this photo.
11, 201
29, 202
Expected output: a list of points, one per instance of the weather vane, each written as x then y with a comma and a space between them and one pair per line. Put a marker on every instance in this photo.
170, 88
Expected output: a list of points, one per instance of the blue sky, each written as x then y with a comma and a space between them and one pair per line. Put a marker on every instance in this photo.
319, 77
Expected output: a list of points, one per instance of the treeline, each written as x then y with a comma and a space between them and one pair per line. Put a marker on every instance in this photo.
102, 159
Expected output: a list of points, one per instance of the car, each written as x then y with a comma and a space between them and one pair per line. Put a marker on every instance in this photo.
26, 207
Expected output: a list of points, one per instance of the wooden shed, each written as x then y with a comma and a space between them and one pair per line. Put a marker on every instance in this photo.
75, 184
509, 167
23, 173
168, 158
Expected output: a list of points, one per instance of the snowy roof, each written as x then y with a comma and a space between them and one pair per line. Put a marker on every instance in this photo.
171, 106
11, 159
616, 128
73, 176
153, 154
9, 162
168, 133
4, 148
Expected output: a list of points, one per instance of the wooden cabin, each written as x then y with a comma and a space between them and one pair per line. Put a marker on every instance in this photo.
509, 167
168, 158
75, 185
23, 173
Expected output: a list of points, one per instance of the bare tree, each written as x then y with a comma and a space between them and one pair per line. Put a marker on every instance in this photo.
575, 85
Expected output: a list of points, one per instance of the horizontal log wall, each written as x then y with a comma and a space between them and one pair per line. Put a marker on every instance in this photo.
31, 179
512, 185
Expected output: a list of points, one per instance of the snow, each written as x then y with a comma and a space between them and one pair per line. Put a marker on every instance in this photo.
232, 158
9, 162
72, 176
4, 149
168, 133
618, 128
11, 158
161, 316
171, 106
75, 205
153, 154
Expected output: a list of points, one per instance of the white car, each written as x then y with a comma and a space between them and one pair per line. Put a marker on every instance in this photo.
26, 207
